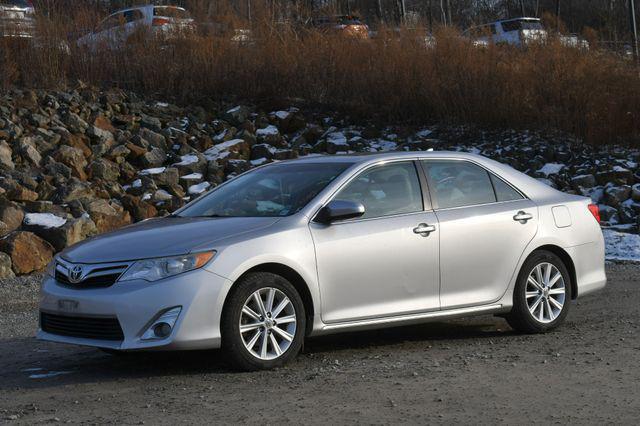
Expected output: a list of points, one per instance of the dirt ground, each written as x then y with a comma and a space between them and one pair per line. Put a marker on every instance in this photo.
463, 371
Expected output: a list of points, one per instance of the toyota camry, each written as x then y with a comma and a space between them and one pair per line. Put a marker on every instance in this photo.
327, 244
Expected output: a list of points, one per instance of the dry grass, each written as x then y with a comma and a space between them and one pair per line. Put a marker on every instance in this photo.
395, 77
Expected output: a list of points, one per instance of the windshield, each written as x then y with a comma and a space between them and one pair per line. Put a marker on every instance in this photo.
276, 190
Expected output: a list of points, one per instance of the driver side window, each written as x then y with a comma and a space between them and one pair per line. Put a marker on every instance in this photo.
385, 190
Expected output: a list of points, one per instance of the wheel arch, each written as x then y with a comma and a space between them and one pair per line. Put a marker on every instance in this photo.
290, 275
568, 263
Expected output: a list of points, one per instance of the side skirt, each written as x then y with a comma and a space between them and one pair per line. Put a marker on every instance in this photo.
409, 319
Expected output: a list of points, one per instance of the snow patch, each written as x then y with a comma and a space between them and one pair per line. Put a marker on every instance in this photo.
258, 162
551, 169
192, 176
46, 220
154, 171
270, 130
337, 138
282, 115
187, 159
199, 188
621, 246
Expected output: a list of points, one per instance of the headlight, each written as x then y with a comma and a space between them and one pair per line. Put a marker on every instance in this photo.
157, 269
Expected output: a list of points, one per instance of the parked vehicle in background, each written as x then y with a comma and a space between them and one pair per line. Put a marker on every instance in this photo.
515, 32
17, 18
574, 40
115, 30
344, 25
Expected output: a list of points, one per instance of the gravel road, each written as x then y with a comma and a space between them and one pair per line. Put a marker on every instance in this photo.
464, 371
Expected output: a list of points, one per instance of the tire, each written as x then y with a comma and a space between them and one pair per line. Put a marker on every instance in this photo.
526, 316
246, 349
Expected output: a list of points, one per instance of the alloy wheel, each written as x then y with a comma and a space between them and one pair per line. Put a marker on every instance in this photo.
267, 323
545, 292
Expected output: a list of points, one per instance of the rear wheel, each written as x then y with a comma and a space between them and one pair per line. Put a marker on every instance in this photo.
542, 294
263, 323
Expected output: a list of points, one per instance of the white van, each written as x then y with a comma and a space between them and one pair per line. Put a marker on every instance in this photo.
515, 32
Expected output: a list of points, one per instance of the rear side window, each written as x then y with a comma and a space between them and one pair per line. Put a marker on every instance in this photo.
386, 190
459, 183
504, 192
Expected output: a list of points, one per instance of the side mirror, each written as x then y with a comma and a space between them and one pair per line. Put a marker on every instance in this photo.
339, 210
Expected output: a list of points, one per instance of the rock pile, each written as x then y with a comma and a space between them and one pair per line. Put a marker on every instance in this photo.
81, 162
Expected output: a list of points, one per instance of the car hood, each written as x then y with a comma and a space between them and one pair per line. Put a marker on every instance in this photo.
171, 236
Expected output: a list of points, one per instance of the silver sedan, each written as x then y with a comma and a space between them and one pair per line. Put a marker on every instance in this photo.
328, 244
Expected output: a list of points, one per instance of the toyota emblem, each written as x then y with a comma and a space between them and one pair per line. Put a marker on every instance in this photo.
75, 274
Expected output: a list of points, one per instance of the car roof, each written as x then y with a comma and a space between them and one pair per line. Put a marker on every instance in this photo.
368, 157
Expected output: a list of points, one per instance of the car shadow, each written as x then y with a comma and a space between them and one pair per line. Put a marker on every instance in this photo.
30, 364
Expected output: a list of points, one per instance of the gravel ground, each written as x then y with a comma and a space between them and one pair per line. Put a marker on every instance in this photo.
464, 371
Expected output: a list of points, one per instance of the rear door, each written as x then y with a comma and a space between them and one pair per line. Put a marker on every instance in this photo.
485, 226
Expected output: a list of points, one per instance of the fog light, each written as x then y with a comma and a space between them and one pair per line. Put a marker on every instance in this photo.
162, 327
162, 330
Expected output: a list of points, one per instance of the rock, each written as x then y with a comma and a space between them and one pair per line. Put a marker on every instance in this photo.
107, 216
153, 158
11, 214
139, 210
28, 151
5, 266
583, 181
76, 124
27, 251
74, 159
237, 115
270, 135
635, 192
71, 232
152, 123
105, 169
617, 175
154, 139
615, 195
5, 156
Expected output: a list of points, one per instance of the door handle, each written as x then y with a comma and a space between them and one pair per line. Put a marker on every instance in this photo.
523, 217
424, 229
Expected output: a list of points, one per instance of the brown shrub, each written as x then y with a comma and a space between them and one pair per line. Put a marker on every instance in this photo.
396, 76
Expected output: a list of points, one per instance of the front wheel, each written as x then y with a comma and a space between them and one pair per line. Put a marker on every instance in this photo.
263, 323
542, 294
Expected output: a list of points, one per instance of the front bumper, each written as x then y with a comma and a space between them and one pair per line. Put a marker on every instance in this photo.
136, 304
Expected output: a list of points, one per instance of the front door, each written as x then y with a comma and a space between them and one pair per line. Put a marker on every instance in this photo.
380, 264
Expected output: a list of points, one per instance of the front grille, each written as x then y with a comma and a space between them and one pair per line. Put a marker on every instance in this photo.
84, 327
92, 276
90, 282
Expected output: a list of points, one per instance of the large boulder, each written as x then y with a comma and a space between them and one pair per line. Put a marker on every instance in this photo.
27, 251
11, 215
60, 232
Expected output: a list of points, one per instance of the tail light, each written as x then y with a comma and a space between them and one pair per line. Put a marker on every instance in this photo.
158, 22
595, 211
